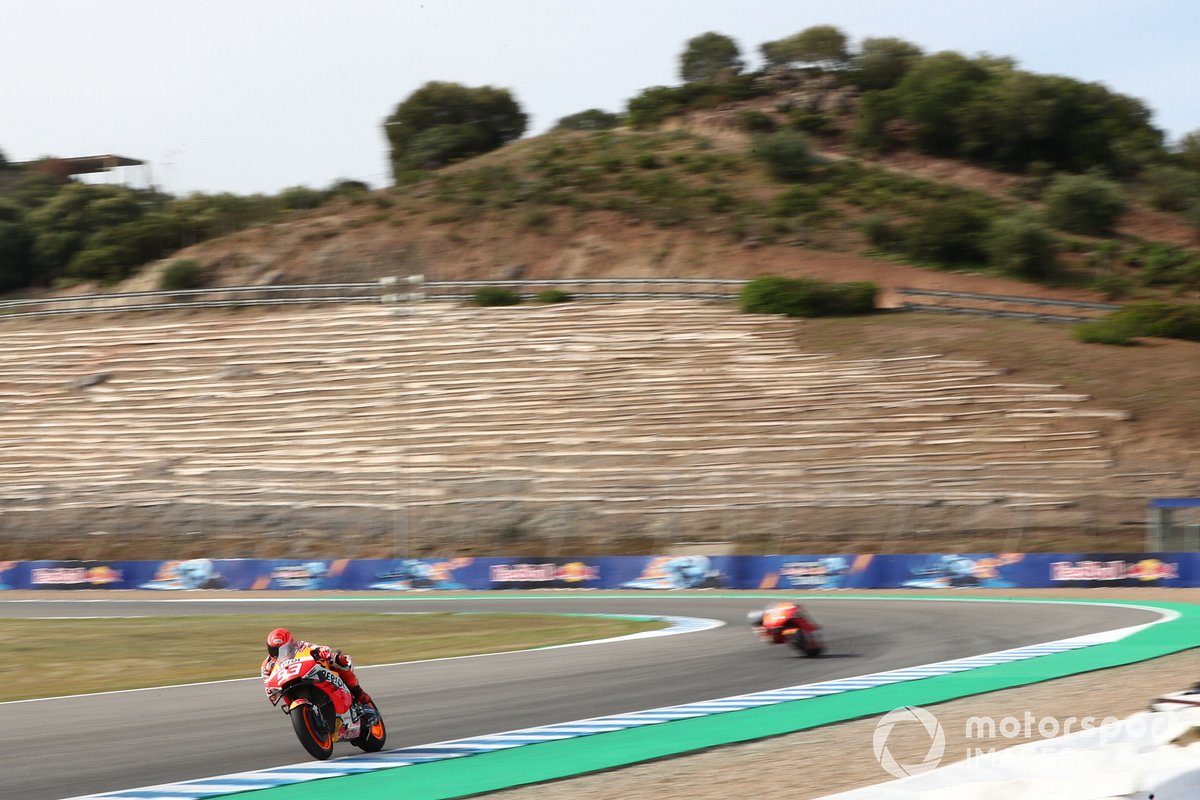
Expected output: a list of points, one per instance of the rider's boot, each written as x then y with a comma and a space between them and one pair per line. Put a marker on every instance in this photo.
364, 701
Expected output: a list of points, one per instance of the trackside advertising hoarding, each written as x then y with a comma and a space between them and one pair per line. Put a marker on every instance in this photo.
789, 572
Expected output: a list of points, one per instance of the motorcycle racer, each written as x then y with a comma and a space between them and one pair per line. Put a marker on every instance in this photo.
771, 621
281, 645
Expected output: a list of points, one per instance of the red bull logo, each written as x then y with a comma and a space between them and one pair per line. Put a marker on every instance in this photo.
573, 572
103, 575
1150, 569
577, 571
74, 576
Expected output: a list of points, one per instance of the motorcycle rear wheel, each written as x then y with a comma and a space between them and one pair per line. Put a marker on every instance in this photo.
312, 731
372, 739
807, 645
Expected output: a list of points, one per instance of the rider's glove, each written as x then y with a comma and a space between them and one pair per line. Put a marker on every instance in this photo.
323, 653
342, 660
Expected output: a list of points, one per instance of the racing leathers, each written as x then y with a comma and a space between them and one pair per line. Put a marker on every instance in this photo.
336, 660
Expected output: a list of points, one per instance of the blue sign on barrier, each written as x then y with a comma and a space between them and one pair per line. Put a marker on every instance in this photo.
787, 572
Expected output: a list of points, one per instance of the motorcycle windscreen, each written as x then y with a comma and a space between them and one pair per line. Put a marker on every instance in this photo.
287, 651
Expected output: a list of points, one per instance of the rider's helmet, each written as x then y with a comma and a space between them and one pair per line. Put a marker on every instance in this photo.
280, 643
779, 614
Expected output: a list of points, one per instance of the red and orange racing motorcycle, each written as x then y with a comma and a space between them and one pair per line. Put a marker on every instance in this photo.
789, 623
320, 706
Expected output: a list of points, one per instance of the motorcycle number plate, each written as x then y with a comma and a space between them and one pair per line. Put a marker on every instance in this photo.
290, 669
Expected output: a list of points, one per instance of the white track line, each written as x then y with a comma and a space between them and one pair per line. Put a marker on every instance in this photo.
465, 747
678, 625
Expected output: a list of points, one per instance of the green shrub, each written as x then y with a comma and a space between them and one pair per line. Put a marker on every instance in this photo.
182, 274
537, 220
553, 296
950, 234
718, 201
1171, 188
1164, 320
880, 233
657, 103
757, 122
612, 163
299, 197
593, 119
797, 200
787, 155
1084, 204
647, 161
105, 264
1192, 215
1113, 286
496, 296
1103, 332
812, 122
1022, 246
706, 162
805, 297
1162, 264
876, 111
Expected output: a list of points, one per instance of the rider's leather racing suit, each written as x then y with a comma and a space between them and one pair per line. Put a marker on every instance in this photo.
337, 661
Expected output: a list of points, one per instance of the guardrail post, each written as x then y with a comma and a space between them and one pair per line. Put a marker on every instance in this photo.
416, 283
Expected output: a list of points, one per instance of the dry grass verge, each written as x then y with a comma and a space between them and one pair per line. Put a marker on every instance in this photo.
127, 653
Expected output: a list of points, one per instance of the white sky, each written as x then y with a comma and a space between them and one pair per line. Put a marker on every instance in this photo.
256, 95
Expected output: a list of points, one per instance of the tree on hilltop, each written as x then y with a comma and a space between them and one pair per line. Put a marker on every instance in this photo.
883, 62
708, 56
822, 46
1188, 150
592, 119
444, 122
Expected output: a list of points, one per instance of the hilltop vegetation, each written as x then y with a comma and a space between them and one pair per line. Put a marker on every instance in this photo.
941, 161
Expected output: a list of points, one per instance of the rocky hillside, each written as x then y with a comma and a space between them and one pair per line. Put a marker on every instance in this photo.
689, 199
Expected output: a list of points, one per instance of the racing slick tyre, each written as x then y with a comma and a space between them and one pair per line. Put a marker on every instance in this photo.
807, 646
373, 737
312, 731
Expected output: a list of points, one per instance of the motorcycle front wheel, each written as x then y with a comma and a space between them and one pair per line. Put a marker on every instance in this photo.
372, 738
312, 731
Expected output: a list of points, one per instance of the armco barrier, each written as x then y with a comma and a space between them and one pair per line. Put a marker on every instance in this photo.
789, 572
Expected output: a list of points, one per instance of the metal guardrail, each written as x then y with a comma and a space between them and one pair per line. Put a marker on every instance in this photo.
114, 302
1037, 316
1004, 298
267, 289
384, 290
707, 289
995, 312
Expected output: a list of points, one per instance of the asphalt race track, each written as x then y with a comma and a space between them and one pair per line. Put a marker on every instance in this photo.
70, 746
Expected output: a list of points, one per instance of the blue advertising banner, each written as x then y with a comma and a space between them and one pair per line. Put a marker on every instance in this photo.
847, 571
787, 572
952, 571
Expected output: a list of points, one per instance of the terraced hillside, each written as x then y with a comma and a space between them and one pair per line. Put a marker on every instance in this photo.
583, 426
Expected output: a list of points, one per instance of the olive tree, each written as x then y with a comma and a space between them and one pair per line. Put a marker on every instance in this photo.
443, 122
707, 56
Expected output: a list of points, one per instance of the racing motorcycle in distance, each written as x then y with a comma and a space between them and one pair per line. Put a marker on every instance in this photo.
320, 706
1174, 701
788, 623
